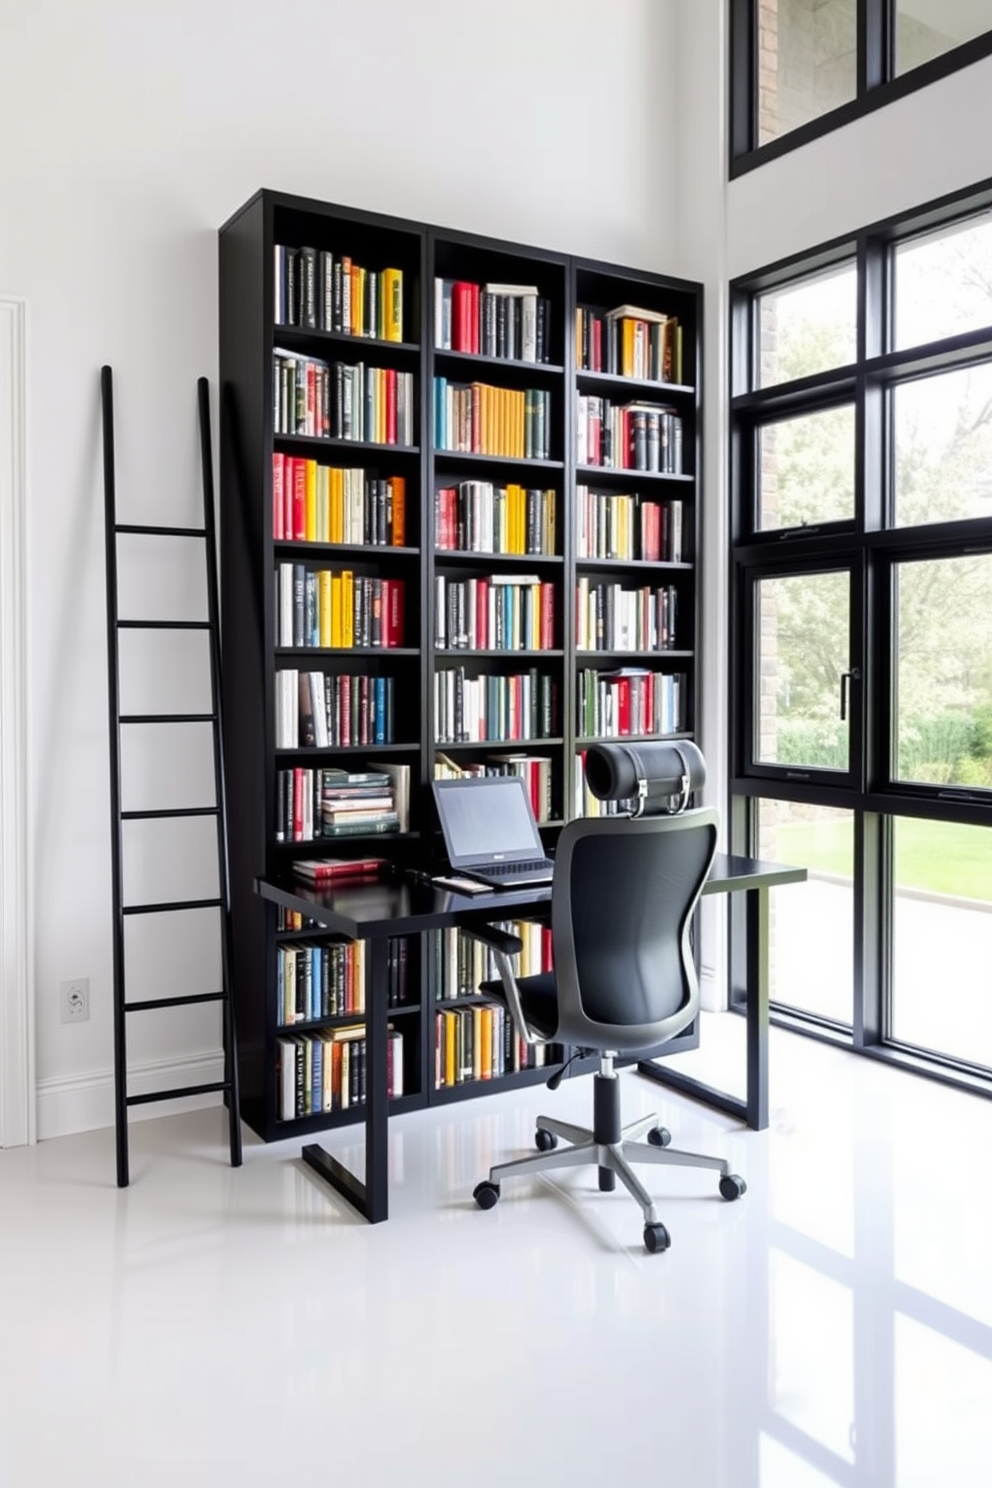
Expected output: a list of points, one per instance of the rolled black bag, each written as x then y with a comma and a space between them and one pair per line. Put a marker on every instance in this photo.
656, 776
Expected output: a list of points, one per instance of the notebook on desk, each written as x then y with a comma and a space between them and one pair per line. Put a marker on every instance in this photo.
490, 832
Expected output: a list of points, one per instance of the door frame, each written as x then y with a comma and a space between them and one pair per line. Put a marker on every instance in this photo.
17, 1031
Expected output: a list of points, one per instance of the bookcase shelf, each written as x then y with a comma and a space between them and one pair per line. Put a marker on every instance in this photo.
399, 268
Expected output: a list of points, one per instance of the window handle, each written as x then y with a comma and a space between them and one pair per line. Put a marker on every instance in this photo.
854, 675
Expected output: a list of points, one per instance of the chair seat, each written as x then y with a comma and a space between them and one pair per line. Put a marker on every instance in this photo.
538, 999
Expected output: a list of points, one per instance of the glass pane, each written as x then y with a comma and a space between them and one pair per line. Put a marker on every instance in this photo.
811, 945
803, 626
942, 939
806, 470
807, 327
807, 61
943, 283
943, 644
929, 28
943, 447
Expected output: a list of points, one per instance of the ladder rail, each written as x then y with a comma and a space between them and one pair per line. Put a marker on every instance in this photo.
213, 610
121, 1007
116, 825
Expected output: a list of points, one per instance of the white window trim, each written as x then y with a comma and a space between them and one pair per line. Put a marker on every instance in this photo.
17, 1067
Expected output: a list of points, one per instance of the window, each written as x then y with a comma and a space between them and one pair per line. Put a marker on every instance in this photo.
862, 630
802, 67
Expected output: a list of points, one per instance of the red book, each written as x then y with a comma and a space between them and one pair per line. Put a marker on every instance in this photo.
461, 316
278, 485
474, 312
390, 405
394, 609
329, 870
482, 615
597, 345
547, 953
298, 805
623, 706
299, 472
547, 617
344, 690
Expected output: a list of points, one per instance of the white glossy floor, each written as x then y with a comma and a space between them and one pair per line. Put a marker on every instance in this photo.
210, 1327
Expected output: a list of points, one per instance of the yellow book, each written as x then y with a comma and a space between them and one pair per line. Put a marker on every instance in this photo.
520, 401
310, 530
487, 1043
392, 291
450, 1046
337, 595
323, 502
336, 525
476, 1015
324, 607
358, 302
628, 329
359, 947
348, 608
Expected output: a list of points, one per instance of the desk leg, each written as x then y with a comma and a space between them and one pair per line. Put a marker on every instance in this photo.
756, 911
370, 1198
754, 1108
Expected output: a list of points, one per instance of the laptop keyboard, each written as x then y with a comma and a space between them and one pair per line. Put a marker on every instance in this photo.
511, 870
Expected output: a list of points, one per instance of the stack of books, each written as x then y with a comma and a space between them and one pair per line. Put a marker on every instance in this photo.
629, 702
323, 291
629, 342
504, 612
322, 503
325, 1071
496, 320
312, 805
490, 708
611, 525
612, 617
341, 400
330, 710
478, 419
478, 517
330, 608
634, 436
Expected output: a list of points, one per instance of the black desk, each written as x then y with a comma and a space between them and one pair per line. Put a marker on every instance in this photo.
403, 905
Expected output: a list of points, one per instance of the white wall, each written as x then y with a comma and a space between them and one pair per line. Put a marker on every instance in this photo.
128, 133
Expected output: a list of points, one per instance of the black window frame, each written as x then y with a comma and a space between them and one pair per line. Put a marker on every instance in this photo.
872, 547
877, 83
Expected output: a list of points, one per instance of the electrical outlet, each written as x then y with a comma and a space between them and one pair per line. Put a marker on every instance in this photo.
75, 1000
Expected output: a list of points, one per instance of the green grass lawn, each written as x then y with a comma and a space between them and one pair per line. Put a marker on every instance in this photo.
942, 857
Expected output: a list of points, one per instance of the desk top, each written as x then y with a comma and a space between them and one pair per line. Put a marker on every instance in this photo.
404, 904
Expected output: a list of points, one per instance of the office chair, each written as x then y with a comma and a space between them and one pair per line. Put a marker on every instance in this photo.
624, 892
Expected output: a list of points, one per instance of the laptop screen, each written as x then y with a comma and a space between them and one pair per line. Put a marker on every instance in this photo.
487, 820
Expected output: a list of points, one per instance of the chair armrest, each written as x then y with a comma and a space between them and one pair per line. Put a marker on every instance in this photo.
496, 940
504, 945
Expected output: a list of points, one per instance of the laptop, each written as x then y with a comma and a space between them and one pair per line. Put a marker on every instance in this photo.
490, 832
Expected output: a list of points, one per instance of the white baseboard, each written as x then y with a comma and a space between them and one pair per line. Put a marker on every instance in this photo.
78, 1103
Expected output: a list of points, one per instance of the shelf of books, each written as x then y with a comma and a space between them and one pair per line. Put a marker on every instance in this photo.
459, 501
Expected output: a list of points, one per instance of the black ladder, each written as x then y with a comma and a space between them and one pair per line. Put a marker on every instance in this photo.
118, 721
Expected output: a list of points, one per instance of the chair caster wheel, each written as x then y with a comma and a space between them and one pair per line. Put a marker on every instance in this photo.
545, 1141
656, 1237
732, 1187
659, 1136
486, 1194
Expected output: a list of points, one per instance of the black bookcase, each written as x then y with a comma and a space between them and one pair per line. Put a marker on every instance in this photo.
549, 390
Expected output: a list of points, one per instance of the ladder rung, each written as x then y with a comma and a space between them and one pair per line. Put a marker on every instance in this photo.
168, 812
160, 531
167, 1002
173, 904
167, 718
163, 625
161, 1095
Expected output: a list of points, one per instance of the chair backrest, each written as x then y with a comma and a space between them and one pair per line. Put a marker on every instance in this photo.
624, 894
